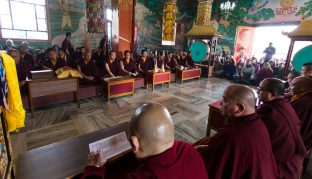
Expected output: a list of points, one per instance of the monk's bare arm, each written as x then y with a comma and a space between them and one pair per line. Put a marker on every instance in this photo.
123, 68
108, 70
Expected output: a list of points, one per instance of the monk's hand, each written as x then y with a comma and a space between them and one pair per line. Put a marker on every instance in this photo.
201, 147
90, 78
96, 159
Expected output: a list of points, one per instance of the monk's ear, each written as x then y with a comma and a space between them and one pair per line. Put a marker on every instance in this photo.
135, 144
241, 107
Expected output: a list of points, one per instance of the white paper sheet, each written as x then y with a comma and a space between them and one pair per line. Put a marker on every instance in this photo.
111, 146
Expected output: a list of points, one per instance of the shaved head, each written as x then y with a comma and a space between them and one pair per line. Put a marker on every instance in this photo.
301, 84
306, 69
238, 100
274, 85
152, 125
242, 94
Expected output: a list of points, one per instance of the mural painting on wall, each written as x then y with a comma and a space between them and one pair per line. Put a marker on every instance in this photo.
247, 13
148, 21
69, 16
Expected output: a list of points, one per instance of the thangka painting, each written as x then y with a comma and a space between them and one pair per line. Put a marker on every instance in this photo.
5, 152
95, 16
169, 24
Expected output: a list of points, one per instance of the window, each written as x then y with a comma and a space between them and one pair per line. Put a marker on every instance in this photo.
24, 19
108, 23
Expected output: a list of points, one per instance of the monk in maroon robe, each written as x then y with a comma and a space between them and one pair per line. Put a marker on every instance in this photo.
160, 156
87, 68
23, 69
242, 149
144, 63
306, 69
127, 65
53, 62
189, 60
180, 60
99, 59
160, 60
171, 63
283, 126
111, 66
301, 101
26, 56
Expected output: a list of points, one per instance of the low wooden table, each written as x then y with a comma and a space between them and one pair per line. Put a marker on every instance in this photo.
215, 119
154, 78
52, 86
182, 75
116, 87
62, 159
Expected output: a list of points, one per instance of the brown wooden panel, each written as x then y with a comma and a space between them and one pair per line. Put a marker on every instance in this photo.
44, 88
63, 159
126, 26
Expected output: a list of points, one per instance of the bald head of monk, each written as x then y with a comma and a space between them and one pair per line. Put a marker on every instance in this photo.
151, 130
238, 100
300, 85
270, 89
306, 69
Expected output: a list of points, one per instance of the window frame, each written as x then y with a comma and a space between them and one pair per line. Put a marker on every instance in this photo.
31, 40
107, 21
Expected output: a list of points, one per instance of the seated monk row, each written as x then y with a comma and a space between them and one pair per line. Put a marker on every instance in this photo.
89, 68
241, 149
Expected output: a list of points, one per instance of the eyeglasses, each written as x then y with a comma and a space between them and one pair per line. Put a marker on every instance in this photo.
260, 89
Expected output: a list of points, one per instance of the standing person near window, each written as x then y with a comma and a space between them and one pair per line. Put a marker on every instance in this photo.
269, 52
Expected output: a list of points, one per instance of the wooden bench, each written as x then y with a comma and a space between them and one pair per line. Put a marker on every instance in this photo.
155, 78
116, 87
182, 75
215, 119
52, 86
68, 158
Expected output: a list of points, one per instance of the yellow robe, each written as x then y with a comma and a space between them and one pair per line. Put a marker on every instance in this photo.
15, 118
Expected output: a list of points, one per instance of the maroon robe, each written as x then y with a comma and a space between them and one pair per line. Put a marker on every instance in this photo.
181, 161
28, 58
88, 69
172, 64
189, 61
241, 149
59, 64
283, 126
23, 69
130, 67
113, 67
303, 108
264, 73
181, 61
160, 62
145, 66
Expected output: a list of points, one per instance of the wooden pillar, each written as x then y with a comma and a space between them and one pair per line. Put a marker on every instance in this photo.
290, 51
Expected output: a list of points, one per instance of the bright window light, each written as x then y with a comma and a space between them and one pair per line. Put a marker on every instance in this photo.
266, 34
24, 19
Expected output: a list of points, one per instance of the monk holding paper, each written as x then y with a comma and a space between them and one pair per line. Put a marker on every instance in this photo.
160, 156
